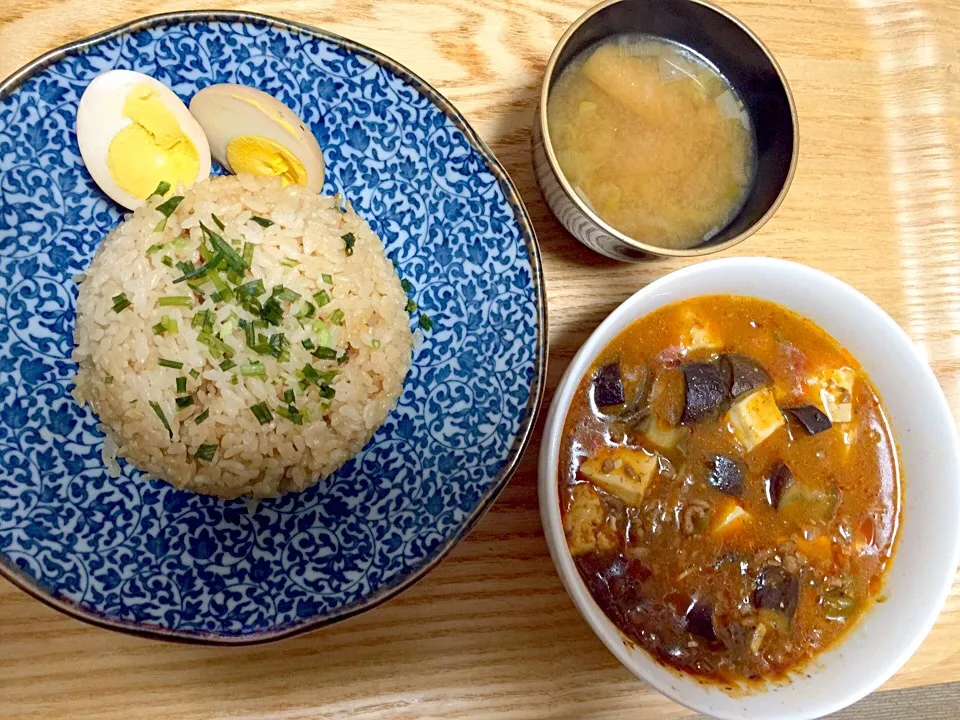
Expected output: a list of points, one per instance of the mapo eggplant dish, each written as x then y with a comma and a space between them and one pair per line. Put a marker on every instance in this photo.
729, 487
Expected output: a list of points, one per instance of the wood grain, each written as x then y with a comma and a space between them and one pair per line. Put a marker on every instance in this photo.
491, 633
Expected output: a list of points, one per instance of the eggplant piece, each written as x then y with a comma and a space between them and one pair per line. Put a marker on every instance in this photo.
777, 590
743, 374
608, 386
706, 391
813, 419
778, 481
727, 475
700, 620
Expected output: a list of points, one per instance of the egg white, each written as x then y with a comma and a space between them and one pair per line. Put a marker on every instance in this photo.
100, 117
227, 111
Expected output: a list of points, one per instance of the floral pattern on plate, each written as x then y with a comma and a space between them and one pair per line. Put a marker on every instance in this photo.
141, 556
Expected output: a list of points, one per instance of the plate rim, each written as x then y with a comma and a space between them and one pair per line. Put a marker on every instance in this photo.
37, 589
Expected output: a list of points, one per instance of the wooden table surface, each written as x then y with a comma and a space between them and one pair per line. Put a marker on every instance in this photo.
491, 633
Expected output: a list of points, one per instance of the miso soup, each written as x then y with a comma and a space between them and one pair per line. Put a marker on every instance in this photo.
653, 139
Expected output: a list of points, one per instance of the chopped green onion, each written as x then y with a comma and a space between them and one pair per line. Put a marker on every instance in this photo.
230, 256
254, 288
167, 208
160, 225
166, 325
328, 279
254, 368
291, 414
284, 294
223, 290
324, 337
163, 418
307, 311
411, 306
184, 402
406, 285
181, 385
272, 312
327, 392
108, 380
155, 248
175, 301
218, 348
162, 189
200, 271
342, 360
289, 262
426, 323
248, 254
325, 353
205, 453
307, 344
336, 317
349, 241
250, 334
186, 266
262, 413
310, 374
195, 374
203, 319
278, 341
227, 364
235, 277
120, 303
322, 298
375, 344
262, 222
201, 417
217, 221
167, 260
289, 397
163, 362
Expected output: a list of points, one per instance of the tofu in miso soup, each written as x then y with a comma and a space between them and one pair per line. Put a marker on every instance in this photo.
653, 139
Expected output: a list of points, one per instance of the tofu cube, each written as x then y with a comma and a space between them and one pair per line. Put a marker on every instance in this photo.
664, 437
755, 417
698, 336
730, 520
836, 393
624, 472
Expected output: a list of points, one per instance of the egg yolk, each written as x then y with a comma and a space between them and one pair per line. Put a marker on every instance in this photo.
257, 155
153, 147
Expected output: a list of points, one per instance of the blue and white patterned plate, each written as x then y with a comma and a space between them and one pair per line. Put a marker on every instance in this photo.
142, 557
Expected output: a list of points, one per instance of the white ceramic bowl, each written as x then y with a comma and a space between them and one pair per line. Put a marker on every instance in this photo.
929, 546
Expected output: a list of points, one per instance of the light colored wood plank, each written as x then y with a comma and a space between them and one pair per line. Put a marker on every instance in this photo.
491, 633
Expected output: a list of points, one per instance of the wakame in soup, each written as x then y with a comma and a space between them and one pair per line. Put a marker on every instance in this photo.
729, 487
653, 139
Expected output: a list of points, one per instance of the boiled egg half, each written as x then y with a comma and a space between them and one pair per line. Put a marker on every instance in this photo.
253, 132
135, 133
